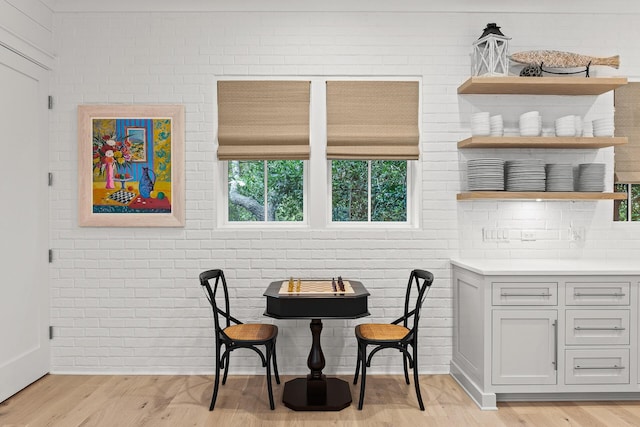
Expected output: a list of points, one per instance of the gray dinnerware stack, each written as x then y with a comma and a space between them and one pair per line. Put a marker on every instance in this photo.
591, 177
485, 175
525, 175
559, 177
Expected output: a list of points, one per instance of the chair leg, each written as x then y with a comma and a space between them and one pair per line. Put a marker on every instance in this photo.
406, 370
275, 364
226, 368
216, 381
355, 376
363, 352
415, 378
269, 387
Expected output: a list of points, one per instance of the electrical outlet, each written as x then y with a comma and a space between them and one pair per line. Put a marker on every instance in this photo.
528, 235
491, 234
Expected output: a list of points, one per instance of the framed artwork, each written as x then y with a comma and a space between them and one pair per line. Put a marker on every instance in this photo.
131, 165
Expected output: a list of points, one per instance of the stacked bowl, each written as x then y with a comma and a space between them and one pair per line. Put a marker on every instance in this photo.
566, 126
480, 124
496, 125
603, 127
530, 124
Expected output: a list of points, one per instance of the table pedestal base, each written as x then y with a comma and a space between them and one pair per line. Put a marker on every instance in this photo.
336, 397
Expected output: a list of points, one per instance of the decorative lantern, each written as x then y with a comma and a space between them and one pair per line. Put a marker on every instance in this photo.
490, 53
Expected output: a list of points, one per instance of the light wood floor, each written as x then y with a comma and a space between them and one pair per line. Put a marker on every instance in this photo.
179, 401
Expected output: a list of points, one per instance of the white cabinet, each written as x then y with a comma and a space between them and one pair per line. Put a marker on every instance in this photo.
524, 346
545, 336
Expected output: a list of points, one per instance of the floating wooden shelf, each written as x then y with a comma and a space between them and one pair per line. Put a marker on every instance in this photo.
515, 85
540, 142
544, 195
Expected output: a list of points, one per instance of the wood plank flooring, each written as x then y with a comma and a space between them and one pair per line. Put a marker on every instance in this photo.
181, 401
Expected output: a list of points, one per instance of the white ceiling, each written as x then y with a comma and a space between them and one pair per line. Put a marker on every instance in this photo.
489, 6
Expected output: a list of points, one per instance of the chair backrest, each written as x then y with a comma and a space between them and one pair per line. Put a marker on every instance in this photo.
421, 280
220, 314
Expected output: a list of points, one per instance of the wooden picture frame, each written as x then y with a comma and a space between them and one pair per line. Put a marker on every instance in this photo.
121, 187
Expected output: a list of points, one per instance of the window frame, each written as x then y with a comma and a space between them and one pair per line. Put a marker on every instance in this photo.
629, 206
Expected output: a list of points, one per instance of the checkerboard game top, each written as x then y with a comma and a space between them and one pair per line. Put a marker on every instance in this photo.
314, 287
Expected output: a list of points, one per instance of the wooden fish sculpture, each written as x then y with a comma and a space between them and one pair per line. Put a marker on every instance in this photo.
557, 59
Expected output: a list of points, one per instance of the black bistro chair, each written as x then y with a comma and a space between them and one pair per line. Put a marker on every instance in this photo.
399, 334
233, 334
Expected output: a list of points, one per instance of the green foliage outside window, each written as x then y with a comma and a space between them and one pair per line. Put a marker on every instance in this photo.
621, 208
350, 190
285, 190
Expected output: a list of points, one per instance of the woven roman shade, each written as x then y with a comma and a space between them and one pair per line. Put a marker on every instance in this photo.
369, 120
263, 120
627, 123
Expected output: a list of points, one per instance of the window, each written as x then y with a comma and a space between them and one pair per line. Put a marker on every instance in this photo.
627, 156
266, 190
285, 163
369, 190
627, 210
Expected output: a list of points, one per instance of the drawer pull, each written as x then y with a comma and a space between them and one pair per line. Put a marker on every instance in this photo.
524, 295
616, 294
599, 367
600, 328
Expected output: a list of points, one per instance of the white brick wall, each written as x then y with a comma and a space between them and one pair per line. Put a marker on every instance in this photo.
128, 300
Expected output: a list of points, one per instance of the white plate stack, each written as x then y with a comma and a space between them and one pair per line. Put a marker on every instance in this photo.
566, 126
530, 124
591, 177
559, 177
485, 174
480, 124
525, 175
603, 127
496, 125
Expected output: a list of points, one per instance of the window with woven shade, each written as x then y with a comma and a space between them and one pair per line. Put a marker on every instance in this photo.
369, 120
372, 133
263, 120
627, 156
263, 134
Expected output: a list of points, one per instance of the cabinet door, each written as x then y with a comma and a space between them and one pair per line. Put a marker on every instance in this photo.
524, 347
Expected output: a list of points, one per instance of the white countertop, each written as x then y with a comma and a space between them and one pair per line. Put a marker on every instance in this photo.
549, 266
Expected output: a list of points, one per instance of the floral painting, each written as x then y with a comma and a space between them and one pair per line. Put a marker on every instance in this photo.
133, 164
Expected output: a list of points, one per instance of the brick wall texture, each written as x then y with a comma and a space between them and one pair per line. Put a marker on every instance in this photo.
127, 300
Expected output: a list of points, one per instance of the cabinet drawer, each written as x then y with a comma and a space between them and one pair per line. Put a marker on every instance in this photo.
586, 327
597, 366
597, 293
524, 293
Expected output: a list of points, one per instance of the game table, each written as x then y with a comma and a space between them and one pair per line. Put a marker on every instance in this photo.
316, 300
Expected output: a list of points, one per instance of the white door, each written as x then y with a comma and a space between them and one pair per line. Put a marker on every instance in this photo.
24, 289
524, 347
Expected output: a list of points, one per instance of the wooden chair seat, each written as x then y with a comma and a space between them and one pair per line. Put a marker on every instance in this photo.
251, 332
382, 332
